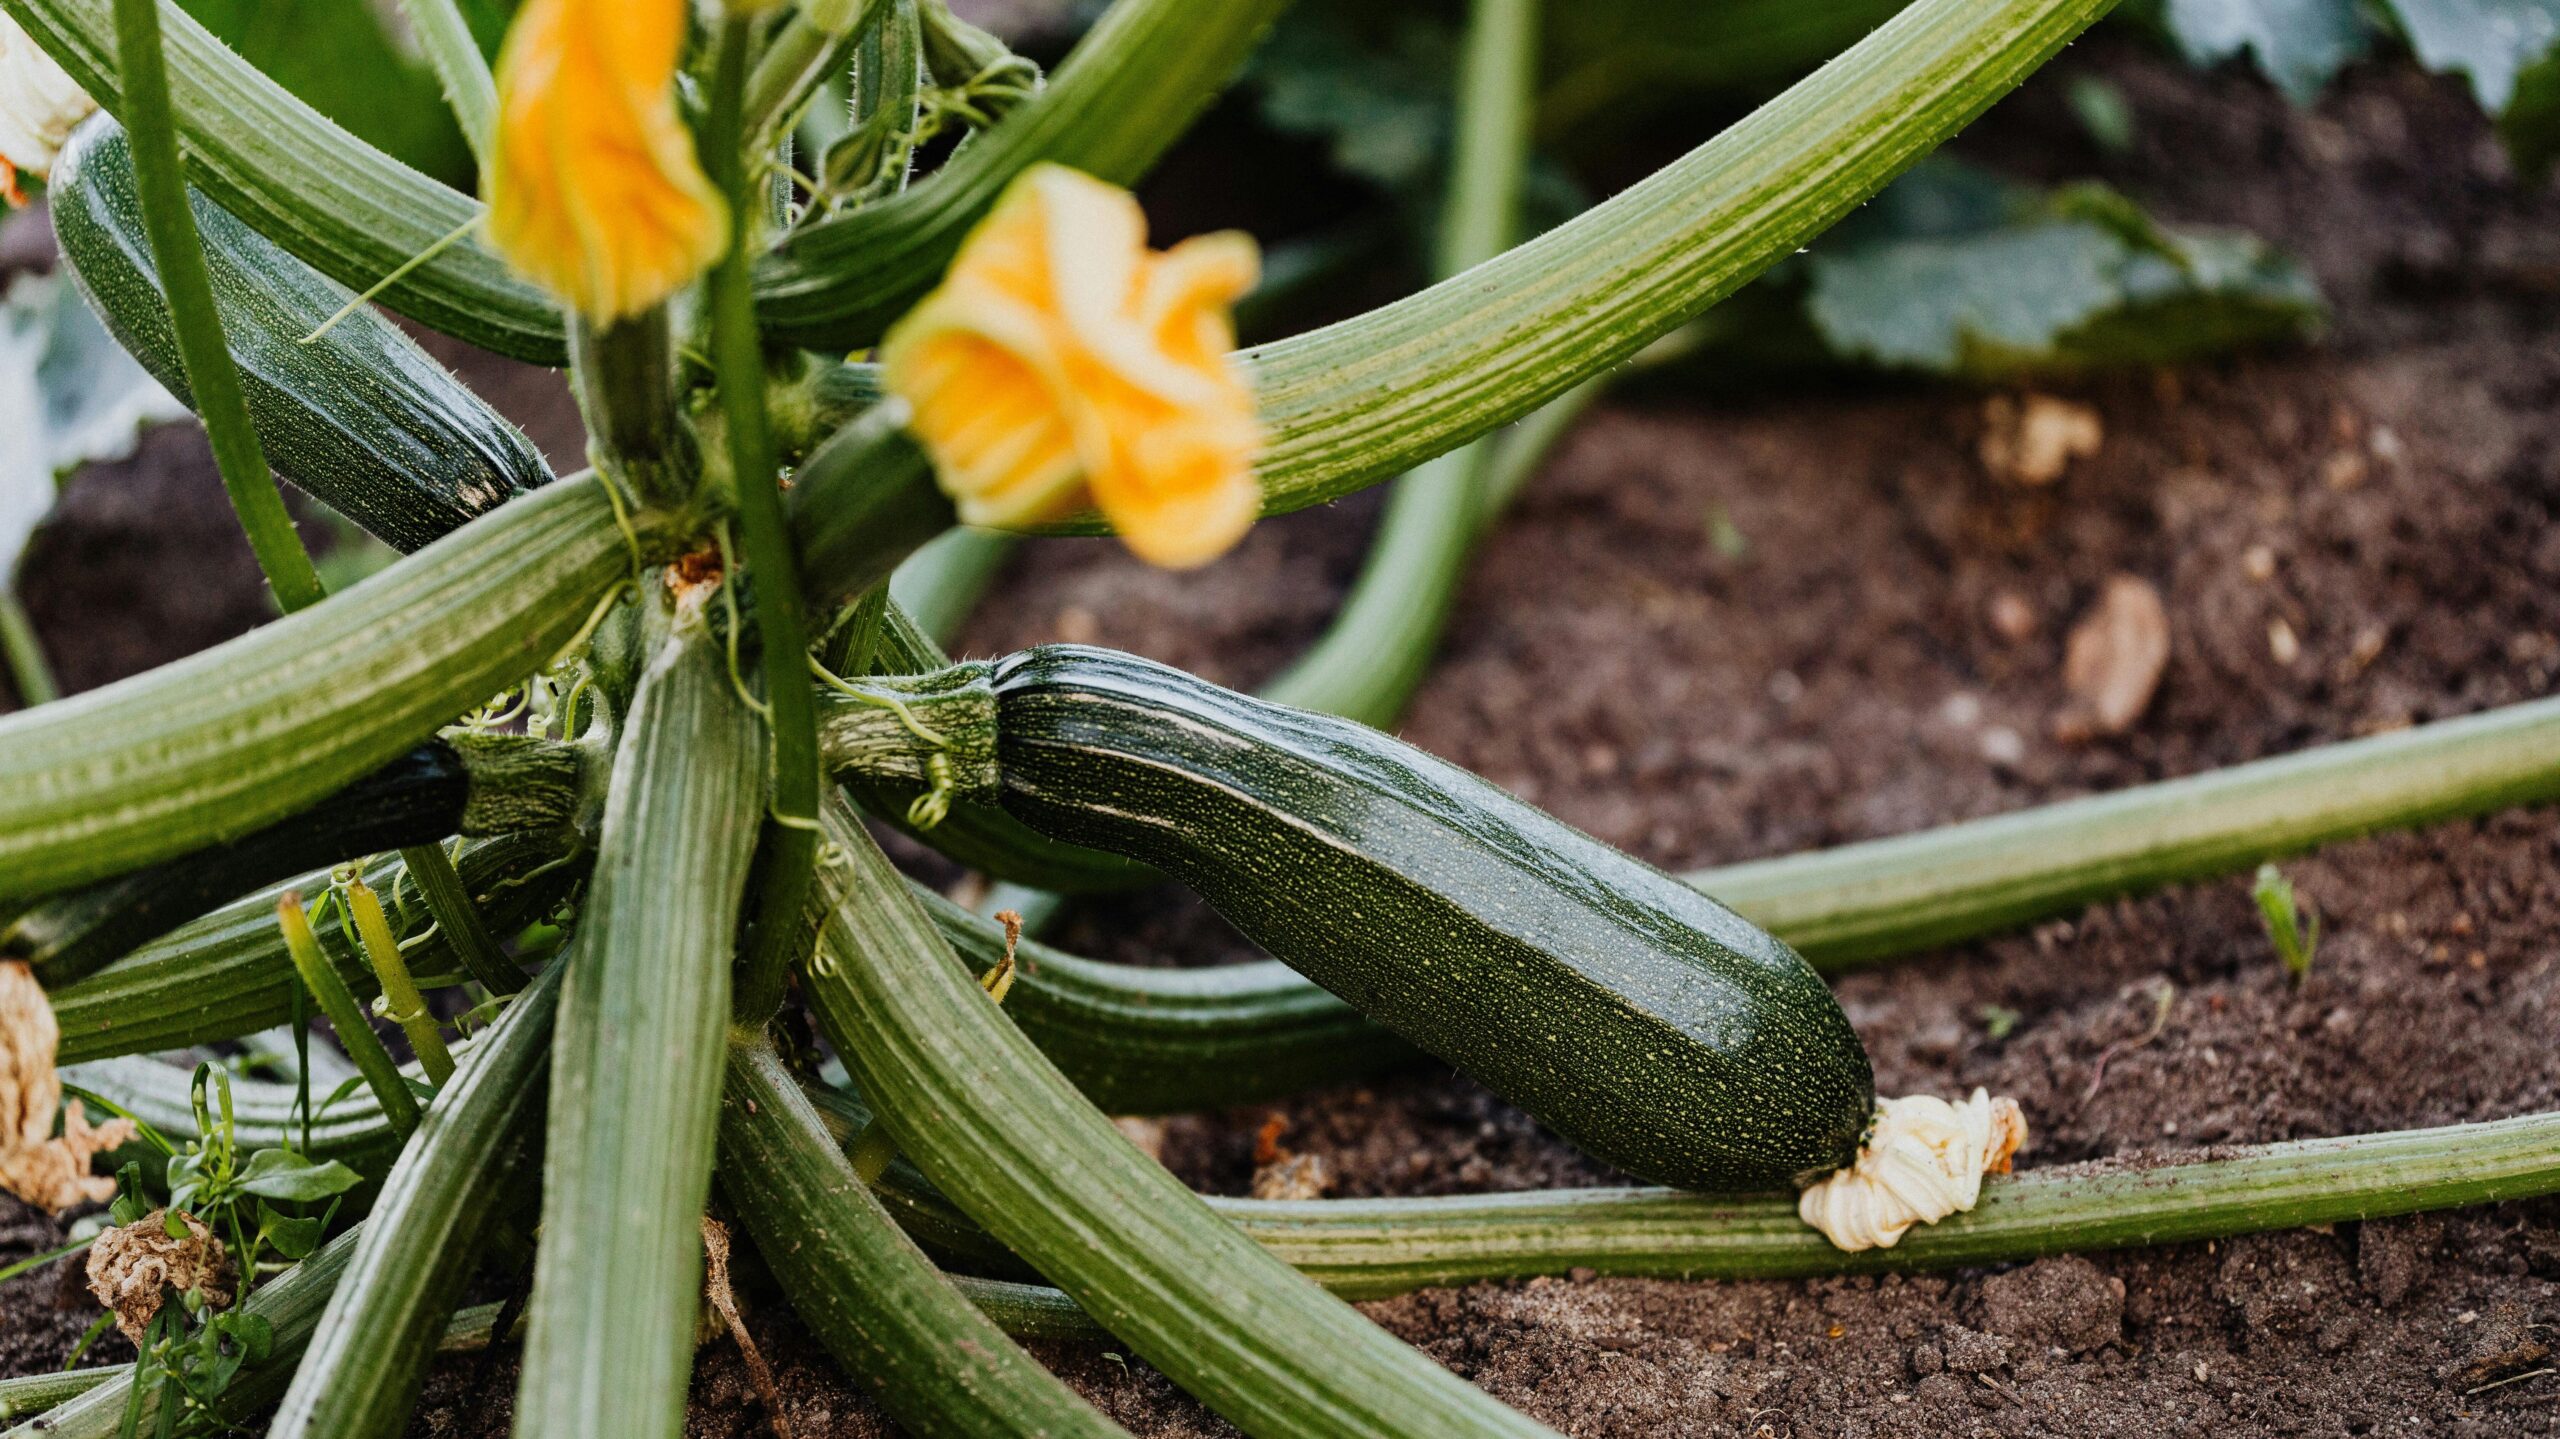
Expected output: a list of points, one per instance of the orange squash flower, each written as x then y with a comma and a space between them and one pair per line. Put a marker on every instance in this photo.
1062, 363
594, 192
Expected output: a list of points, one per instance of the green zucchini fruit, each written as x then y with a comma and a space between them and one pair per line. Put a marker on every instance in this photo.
1646, 1023
420, 798
361, 417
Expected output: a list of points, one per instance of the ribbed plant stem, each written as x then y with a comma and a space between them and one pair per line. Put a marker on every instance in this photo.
370, 1352
636, 1061
1380, 645
790, 846
458, 919
969, 1099
939, 1366
355, 1030
624, 375
262, 726
179, 255
446, 38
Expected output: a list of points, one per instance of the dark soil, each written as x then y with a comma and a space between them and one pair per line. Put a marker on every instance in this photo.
2387, 497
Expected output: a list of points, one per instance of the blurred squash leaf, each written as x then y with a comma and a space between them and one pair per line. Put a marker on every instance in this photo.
1958, 273
2298, 44
68, 394
2510, 52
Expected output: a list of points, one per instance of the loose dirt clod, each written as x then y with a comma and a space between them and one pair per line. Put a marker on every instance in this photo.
2031, 439
2114, 660
133, 1265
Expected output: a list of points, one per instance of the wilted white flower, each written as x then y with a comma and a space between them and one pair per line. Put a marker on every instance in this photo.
39, 105
1924, 1161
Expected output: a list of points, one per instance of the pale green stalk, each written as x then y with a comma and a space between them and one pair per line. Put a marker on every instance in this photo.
446, 38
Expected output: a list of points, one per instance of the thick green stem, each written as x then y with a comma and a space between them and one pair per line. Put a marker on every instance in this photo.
968, 1098
938, 1365
1374, 1248
406, 1007
446, 38
790, 847
355, 1030
1388, 389
636, 1064
625, 378
458, 919
797, 60
179, 255
1374, 655
369, 1355
1861, 902
247, 732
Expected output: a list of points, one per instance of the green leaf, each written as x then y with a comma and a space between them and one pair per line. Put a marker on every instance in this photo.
2298, 44
292, 1237
1958, 275
283, 1174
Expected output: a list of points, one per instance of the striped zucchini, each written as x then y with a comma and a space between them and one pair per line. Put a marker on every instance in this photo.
1648, 1024
472, 784
361, 418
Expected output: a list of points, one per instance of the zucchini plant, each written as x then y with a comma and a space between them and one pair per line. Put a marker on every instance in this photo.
586, 759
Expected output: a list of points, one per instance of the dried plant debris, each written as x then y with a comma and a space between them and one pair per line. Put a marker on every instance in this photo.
2031, 439
2113, 661
35, 1164
1282, 1173
133, 1266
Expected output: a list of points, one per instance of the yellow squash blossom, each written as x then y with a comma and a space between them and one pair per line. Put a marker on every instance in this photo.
594, 192
1062, 363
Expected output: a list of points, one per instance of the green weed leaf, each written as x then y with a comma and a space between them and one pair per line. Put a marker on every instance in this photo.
283, 1174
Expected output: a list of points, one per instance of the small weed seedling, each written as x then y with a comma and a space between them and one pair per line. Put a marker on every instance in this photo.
2294, 931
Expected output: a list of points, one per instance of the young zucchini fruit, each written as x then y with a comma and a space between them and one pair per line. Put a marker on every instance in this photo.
472, 784
361, 417
1646, 1023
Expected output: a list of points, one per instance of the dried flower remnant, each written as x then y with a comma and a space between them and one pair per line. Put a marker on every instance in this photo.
1924, 1161
594, 191
35, 1164
1062, 363
39, 106
132, 1265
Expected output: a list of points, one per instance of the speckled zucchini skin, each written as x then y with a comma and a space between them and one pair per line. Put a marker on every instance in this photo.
1646, 1023
362, 418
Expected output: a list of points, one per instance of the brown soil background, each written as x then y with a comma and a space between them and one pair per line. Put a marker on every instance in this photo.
1842, 679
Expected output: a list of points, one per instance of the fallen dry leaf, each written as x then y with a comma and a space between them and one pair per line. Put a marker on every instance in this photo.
2113, 662
2031, 439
